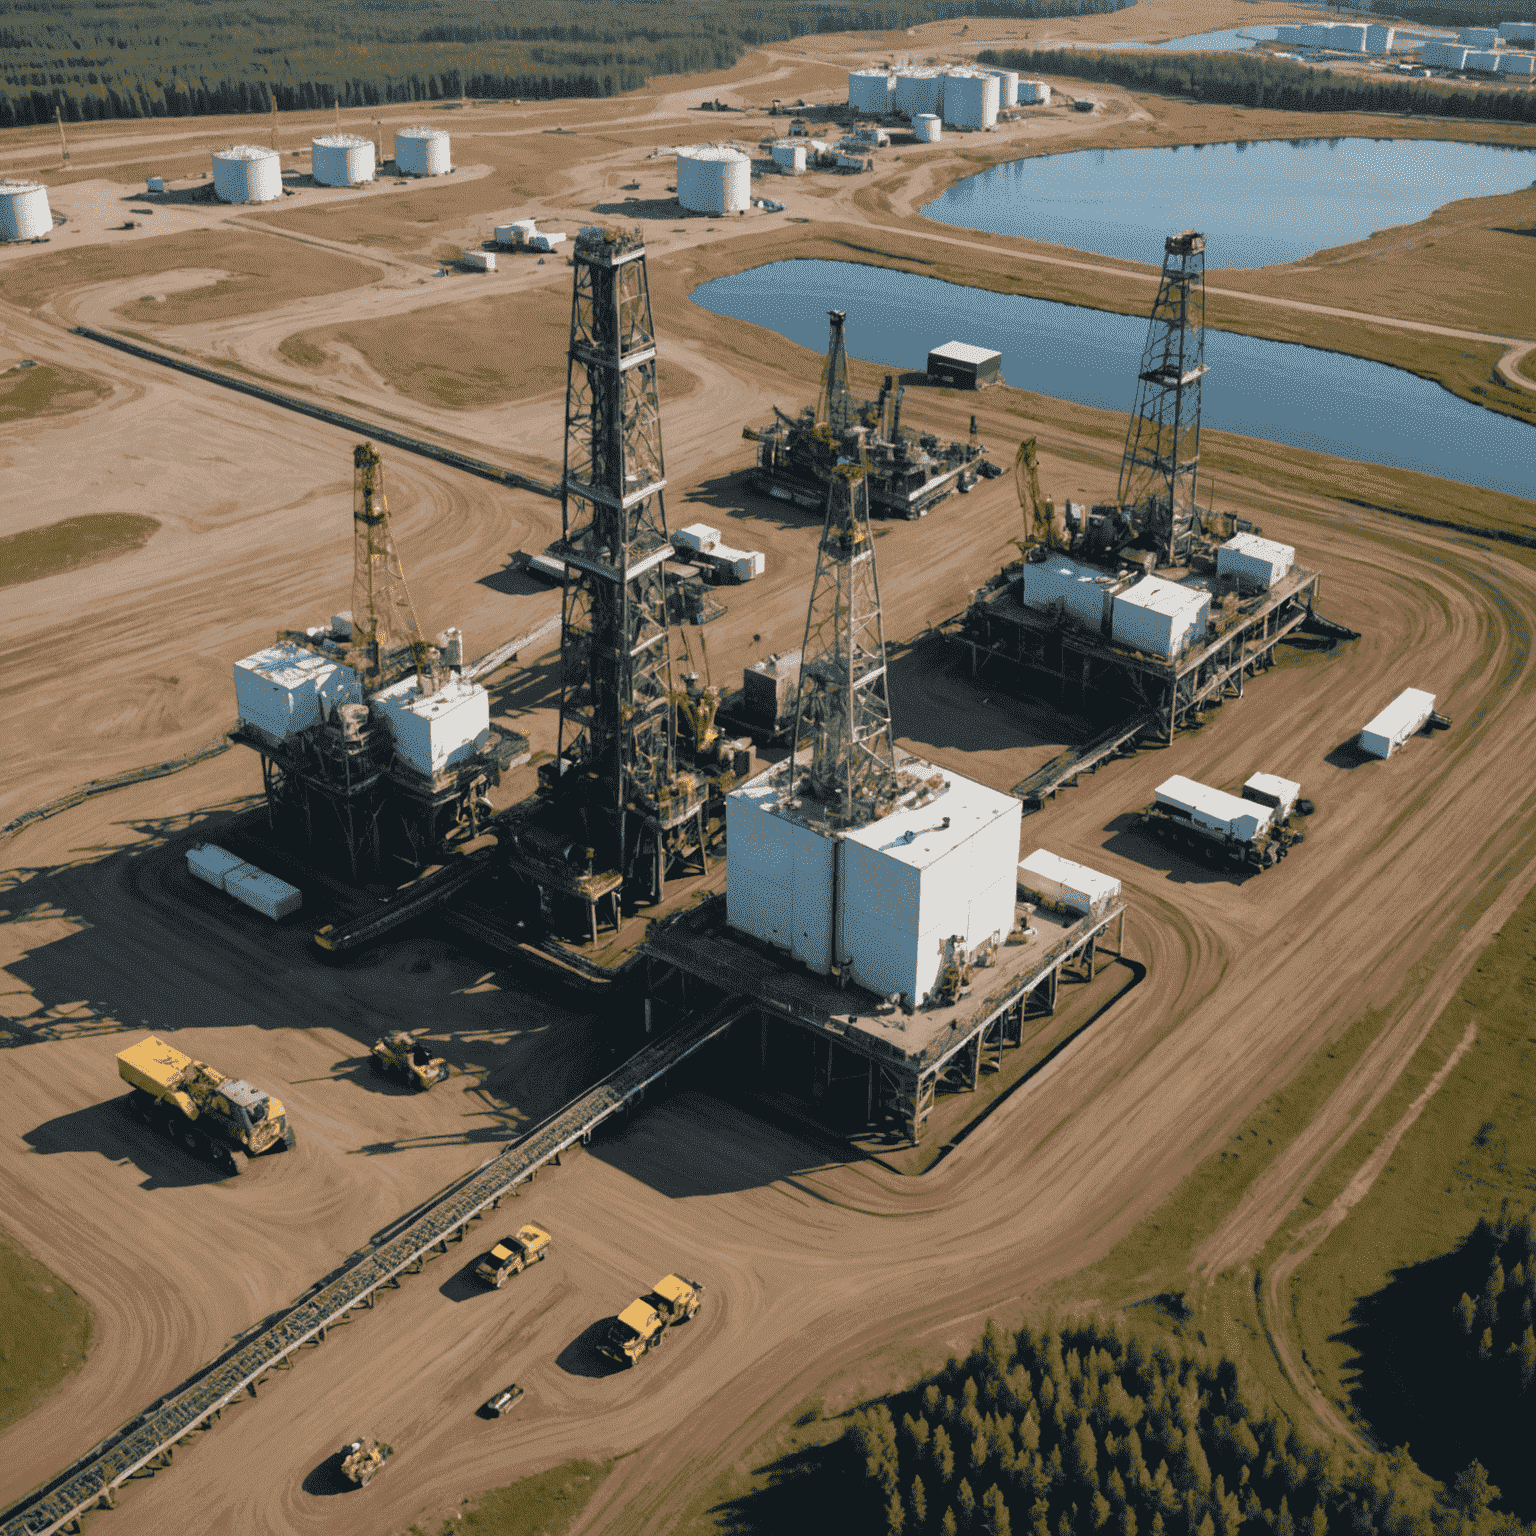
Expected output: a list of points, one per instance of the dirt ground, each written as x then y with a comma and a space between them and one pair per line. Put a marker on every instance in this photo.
814, 1262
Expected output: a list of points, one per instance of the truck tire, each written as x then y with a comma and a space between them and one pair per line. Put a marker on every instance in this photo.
290, 1139
226, 1162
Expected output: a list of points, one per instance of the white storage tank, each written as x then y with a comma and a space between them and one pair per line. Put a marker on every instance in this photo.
24, 211
1034, 93
1444, 55
918, 91
422, 152
341, 160
286, 689
1379, 39
1047, 877
1402, 718
789, 156
970, 99
1486, 60
1007, 87
437, 732
1160, 617
247, 173
1254, 562
714, 178
928, 128
869, 90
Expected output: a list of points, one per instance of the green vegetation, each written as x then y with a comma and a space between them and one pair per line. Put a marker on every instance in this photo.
66, 546
1256, 80
45, 1327
147, 58
545, 1504
50, 389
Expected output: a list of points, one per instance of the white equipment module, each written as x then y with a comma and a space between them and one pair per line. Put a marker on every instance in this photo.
1215, 809
1405, 716
1160, 617
1254, 562
437, 732
1047, 877
286, 689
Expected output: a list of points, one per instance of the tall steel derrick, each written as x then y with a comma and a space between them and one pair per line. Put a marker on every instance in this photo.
1162, 448
835, 409
617, 762
842, 710
383, 615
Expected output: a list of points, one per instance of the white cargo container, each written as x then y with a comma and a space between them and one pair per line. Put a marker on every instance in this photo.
1160, 617
928, 128
746, 564
479, 261
1047, 877
286, 689
905, 885
1254, 562
699, 537
1280, 795
518, 232
546, 239
1402, 718
212, 864
437, 732
1214, 809
262, 892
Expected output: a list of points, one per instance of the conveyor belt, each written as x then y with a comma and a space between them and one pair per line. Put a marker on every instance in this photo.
154, 1433
1061, 772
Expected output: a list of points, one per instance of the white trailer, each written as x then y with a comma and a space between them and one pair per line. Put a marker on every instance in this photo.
1238, 830
1405, 716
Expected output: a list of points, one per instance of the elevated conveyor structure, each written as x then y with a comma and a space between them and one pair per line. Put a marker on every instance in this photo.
148, 1442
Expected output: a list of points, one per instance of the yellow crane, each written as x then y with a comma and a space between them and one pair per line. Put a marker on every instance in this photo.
1042, 525
58, 113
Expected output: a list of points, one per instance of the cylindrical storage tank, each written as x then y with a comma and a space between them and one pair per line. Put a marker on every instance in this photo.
246, 173
929, 129
24, 211
341, 160
919, 90
155, 183
970, 100
1007, 87
869, 90
421, 152
789, 156
1034, 92
712, 178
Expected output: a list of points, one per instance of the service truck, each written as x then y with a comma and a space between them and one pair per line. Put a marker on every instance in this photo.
1249, 831
362, 1458
512, 1255
643, 1324
194, 1104
397, 1055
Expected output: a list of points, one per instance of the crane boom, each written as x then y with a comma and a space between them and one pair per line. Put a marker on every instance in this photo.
1041, 524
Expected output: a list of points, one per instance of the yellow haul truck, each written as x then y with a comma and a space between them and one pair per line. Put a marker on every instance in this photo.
643, 1324
196, 1105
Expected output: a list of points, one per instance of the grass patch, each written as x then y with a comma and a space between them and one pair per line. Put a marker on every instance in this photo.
546, 1504
68, 545
1527, 366
45, 1330
47, 390
304, 353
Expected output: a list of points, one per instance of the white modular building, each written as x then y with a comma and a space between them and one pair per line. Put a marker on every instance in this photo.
1379, 39
884, 903
789, 156
1402, 718
1034, 93
1451, 56
1254, 562
247, 173
714, 178
970, 99
1214, 809
1046, 877
437, 732
928, 128
1160, 617
1007, 87
918, 91
24, 211
870, 90
422, 152
1280, 795
341, 160
286, 689
1084, 591
1513, 63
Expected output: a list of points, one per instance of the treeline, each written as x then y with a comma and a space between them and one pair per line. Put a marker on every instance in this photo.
1084, 1430
1437, 13
93, 59
1498, 1325
1256, 80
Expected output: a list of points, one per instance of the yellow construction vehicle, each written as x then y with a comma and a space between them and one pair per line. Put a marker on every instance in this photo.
194, 1104
397, 1055
1042, 523
362, 1458
643, 1324
512, 1255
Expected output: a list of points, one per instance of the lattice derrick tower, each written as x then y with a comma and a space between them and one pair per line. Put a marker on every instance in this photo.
842, 710
617, 747
383, 615
835, 409
1162, 448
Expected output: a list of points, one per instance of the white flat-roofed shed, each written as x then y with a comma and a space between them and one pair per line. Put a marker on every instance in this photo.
1046, 876
1402, 718
1160, 617
437, 732
1081, 589
1254, 562
881, 901
286, 689
1214, 809
965, 366
1270, 789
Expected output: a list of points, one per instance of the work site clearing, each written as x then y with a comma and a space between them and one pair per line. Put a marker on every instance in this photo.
833, 1270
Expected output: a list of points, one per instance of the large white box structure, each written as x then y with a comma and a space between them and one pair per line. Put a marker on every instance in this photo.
883, 901
1254, 562
439, 731
286, 689
1160, 617
1214, 809
1081, 589
1402, 718
1046, 876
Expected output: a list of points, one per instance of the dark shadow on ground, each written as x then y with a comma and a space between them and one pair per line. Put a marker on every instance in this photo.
581, 1358
108, 1129
461, 1285
650, 208
1151, 852
513, 581
528, 687
1348, 755
327, 1478
803, 1492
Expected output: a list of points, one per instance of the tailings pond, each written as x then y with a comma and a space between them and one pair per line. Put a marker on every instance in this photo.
1307, 398
1260, 203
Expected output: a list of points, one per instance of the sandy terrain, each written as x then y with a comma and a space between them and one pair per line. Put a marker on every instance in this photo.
813, 1263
